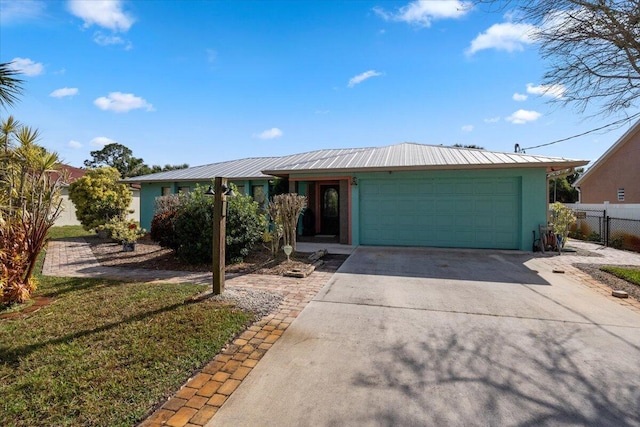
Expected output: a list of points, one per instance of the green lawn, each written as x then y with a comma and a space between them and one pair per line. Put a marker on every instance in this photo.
629, 274
68, 231
105, 352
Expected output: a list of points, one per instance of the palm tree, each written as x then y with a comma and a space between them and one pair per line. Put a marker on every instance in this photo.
10, 87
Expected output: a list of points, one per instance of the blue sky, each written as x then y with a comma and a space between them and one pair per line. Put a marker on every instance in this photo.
204, 81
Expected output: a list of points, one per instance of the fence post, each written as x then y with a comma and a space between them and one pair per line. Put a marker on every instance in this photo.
607, 230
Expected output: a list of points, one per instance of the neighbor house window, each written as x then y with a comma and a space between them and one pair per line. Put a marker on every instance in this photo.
184, 190
621, 194
257, 192
240, 189
166, 191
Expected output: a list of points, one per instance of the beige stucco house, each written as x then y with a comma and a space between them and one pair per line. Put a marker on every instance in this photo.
68, 214
614, 177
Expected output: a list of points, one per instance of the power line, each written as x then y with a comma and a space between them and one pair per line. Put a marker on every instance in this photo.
617, 122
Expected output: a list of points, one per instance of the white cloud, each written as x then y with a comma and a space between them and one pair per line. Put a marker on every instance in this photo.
423, 12
467, 128
105, 40
519, 97
506, 36
17, 11
122, 102
103, 13
553, 91
269, 134
101, 141
521, 117
492, 120
65, 91
74, 144
362, 77
26, 66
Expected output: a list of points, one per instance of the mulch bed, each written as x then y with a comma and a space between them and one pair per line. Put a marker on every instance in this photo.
610, 280
151, 256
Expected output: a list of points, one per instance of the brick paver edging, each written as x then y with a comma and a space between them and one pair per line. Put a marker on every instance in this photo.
201, 397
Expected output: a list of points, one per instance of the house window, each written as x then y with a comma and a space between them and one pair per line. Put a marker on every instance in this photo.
184, 190
257, 192
240, 189
166, 191
621, 194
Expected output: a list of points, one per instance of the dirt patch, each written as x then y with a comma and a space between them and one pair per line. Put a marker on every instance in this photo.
151, 256
610, 280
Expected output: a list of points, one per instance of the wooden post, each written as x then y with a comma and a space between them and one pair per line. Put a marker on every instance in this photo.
219, 235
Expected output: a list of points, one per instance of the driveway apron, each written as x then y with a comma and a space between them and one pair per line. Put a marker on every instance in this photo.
419, 336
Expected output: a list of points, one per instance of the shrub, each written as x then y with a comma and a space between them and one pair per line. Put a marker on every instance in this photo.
563, 218
98, 197
593, 237
123, 231
193, 227
162, 229
245, 226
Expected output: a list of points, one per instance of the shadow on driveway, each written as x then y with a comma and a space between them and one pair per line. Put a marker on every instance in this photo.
478, 265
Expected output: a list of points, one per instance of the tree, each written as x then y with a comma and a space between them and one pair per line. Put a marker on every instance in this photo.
98, 197
287, 207
593, 48
477, 147
562, 190
120, 157
116, 156
10, 86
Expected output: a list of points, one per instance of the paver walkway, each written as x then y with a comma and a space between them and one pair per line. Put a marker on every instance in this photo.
200, 398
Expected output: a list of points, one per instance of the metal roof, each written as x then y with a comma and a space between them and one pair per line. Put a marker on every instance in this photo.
250, 168
405, 156
412, 156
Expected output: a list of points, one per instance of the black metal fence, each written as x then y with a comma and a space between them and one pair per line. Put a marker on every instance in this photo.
596, 226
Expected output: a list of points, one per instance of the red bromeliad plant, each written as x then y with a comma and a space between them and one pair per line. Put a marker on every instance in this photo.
30, 207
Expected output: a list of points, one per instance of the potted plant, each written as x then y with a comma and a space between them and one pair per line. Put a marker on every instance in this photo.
126, 232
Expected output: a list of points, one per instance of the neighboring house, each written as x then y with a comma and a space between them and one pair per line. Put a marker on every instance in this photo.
400, 195
68, 214
614, 177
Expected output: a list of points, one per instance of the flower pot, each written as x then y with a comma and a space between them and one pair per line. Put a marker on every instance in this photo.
128, 246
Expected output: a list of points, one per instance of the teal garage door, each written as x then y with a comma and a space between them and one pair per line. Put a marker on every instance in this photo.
444, 212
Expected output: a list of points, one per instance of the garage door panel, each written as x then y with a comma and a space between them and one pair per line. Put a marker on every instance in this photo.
452, 212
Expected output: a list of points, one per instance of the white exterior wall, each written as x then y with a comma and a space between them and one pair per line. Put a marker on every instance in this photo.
68, 215
627, 211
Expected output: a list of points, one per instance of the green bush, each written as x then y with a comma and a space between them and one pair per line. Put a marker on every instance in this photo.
246, 223
193, 227
98, 197
122, 230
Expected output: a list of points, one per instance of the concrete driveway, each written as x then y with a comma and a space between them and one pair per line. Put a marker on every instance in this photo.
414, 337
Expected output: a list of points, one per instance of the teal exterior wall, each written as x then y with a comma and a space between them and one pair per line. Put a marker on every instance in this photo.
533, 190
149, 192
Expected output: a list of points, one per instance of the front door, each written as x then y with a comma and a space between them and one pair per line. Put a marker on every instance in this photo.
329, 210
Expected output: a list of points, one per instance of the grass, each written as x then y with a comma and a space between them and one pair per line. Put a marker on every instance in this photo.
106, 352
68, 231
631, 275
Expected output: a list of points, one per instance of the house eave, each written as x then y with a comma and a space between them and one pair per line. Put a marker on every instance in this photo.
549, 167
